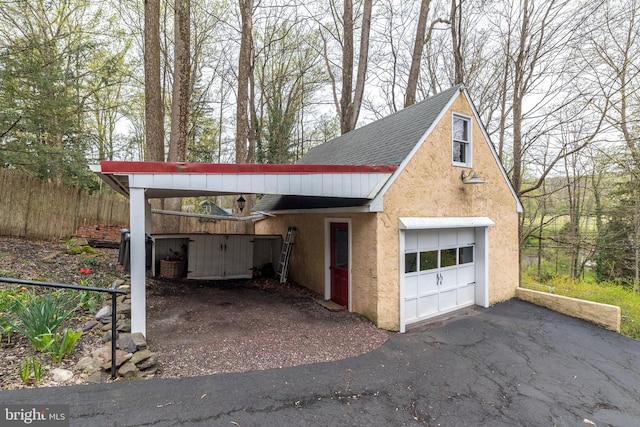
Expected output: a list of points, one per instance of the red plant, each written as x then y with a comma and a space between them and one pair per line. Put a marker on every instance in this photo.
85, 270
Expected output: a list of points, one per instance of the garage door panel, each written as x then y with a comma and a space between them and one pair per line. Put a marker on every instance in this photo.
449, 279
411, 287
411, 309
427, 239
466, 274
448, 238
445, 276
448, 299
411, 241
427, 306
466, 295
466, 236
428, 283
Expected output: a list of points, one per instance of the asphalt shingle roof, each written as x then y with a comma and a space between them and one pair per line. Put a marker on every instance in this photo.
387, 141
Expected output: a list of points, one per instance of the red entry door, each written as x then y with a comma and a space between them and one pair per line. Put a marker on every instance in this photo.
339, 267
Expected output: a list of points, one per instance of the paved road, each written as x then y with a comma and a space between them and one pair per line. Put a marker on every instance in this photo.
513, 364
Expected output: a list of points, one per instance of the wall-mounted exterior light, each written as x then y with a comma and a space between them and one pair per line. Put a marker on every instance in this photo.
471, 177
241, 201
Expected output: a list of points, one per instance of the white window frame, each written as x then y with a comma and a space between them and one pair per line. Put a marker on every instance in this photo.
467, 144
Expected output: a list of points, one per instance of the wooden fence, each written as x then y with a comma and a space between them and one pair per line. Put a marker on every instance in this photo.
35, 208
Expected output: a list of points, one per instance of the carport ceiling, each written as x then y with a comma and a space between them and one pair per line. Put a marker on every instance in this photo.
164, 179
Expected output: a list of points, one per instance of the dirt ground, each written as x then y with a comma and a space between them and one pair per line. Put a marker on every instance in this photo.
235, 326
199, 327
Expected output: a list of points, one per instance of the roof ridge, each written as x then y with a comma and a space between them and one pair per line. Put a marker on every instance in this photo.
386, 141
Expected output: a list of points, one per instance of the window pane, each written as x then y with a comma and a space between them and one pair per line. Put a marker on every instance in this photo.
460, 129
428, 260
448, 257
461, 139
342, 249
459, 152
411, 262
465, 254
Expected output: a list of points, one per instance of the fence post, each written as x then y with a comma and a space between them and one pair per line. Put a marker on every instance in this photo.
114, 331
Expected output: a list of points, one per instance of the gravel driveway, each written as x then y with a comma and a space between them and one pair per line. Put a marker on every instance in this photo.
202, 328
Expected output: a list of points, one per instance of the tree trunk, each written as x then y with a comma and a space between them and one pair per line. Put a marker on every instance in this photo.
154, 113
416, 58
363, 60
347, 68
181, 83
180, 99
244, 70
349, 102
455, 18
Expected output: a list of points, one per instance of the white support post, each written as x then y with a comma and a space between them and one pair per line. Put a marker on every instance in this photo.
137, 219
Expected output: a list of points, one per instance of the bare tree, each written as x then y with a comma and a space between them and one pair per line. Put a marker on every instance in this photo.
181, 82
455, 21
154, 110
245, 70
612, 69
350, 101
416, 58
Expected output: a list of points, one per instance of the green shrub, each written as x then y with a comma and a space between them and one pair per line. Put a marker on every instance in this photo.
42, 315
29, 366
59, 346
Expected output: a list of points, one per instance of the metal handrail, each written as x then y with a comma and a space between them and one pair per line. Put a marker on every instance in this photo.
112, 290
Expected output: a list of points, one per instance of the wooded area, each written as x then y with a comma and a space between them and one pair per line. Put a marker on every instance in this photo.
556, 83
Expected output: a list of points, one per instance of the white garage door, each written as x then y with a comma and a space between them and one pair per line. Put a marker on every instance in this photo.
439, 272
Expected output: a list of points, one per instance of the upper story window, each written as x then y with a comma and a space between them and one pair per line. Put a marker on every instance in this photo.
461, 140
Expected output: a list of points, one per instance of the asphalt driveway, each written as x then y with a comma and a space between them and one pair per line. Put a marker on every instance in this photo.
513, 364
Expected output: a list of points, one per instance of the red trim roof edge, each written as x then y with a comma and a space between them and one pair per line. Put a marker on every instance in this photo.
121, 167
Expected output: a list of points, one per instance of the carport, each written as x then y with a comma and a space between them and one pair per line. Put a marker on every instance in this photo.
142, 181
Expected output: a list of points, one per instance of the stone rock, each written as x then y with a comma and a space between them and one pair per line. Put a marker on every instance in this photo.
103, 354
139, 340
95, 378
124, 287
151, 361
106, 327
140, 356
126, 343
104, 314
124, 309
60, 375
80, 241
128, 370
89, 325
149, 372
89, 364
118, 282
124, 325
107, 336
120, 299
120, 360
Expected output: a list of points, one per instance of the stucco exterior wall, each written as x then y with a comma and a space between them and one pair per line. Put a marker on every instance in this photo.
430, 186
307, 265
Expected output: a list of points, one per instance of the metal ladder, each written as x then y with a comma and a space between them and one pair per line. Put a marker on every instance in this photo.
285, 255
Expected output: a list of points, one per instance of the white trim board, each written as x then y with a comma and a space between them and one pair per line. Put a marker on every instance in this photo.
421, 223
